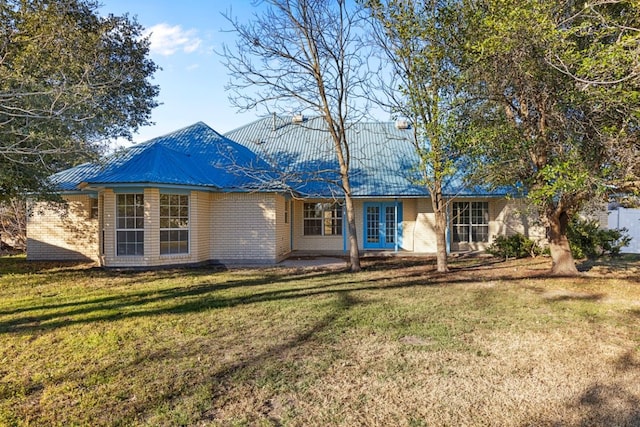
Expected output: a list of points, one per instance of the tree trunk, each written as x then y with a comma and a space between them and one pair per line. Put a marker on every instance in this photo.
354, 252
440, 213
562, 262
441, 241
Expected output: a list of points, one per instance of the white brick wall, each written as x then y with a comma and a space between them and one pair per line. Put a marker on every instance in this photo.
243, 228
236, 228
54, 233
424, 237
283, 230
515, 216
200, 220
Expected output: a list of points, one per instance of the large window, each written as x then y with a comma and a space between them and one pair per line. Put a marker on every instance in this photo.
130, 224
470, 221
174, 224
322, 219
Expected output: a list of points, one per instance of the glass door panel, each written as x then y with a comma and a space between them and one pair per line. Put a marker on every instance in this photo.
373, 224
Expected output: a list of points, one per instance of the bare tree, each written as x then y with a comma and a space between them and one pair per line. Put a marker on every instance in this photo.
305, 55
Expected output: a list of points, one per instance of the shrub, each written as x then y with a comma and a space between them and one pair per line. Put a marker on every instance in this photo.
514, 246
588, 240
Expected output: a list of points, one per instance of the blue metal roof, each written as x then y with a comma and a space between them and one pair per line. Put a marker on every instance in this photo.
384, 161
270, 154
68, 180
194, 156
304, 154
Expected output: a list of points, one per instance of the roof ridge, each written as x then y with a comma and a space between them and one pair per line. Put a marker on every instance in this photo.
182, 129
246, 125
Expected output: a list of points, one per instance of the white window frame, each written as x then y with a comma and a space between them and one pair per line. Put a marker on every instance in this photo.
471, 221
329, 216
132, 223
171, 222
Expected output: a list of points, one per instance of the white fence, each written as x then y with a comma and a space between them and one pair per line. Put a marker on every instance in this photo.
629, 219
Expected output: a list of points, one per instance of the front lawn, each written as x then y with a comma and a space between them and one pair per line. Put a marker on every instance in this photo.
491, 343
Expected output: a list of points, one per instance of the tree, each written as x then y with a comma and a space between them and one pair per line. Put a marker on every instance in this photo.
301, 55
13, 223
418, 40
70, 79
554, 102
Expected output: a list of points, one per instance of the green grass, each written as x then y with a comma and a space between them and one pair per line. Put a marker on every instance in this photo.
397, 344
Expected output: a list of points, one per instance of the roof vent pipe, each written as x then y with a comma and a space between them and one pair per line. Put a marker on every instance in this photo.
274, 121
297, 118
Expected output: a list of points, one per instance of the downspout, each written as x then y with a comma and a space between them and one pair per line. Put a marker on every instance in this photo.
291, 216
446, 230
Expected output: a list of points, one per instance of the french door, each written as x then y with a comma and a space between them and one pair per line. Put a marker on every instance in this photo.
382, 225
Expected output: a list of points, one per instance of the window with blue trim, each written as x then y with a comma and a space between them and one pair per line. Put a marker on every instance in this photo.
130, 224
174, 224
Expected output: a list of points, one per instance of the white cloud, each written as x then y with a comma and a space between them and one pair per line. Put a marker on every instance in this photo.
167, 40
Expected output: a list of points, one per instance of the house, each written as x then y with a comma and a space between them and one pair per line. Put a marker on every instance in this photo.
256, 195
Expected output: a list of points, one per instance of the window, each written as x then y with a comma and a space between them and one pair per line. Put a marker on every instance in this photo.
130, 224
470, 221
93, 208
287, 211
322, 219
174, 224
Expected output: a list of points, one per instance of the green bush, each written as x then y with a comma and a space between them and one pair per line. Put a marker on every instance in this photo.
514, 246
588, 240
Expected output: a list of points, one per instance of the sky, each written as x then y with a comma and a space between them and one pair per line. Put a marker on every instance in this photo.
184, 38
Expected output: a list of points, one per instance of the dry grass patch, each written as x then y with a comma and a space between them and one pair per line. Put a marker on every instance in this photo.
491, 343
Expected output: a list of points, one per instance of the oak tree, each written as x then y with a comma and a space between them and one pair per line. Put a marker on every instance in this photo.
70, 80
554, 102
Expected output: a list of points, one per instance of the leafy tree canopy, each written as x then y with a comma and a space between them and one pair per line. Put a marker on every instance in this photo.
70, 79
555, 102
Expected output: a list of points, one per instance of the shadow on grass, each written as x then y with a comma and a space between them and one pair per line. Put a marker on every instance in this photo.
611, 263
598, 402
178, 299
18, 264
604, 404
247, 369
206, 296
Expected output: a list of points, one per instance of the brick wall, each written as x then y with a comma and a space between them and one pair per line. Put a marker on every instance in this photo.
283, 229
515, 216
58, 233
243, 228
200, 226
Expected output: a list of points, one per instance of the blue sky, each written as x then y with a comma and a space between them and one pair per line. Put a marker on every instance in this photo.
184, 37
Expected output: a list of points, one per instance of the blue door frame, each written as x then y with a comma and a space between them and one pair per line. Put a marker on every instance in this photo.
382, 225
